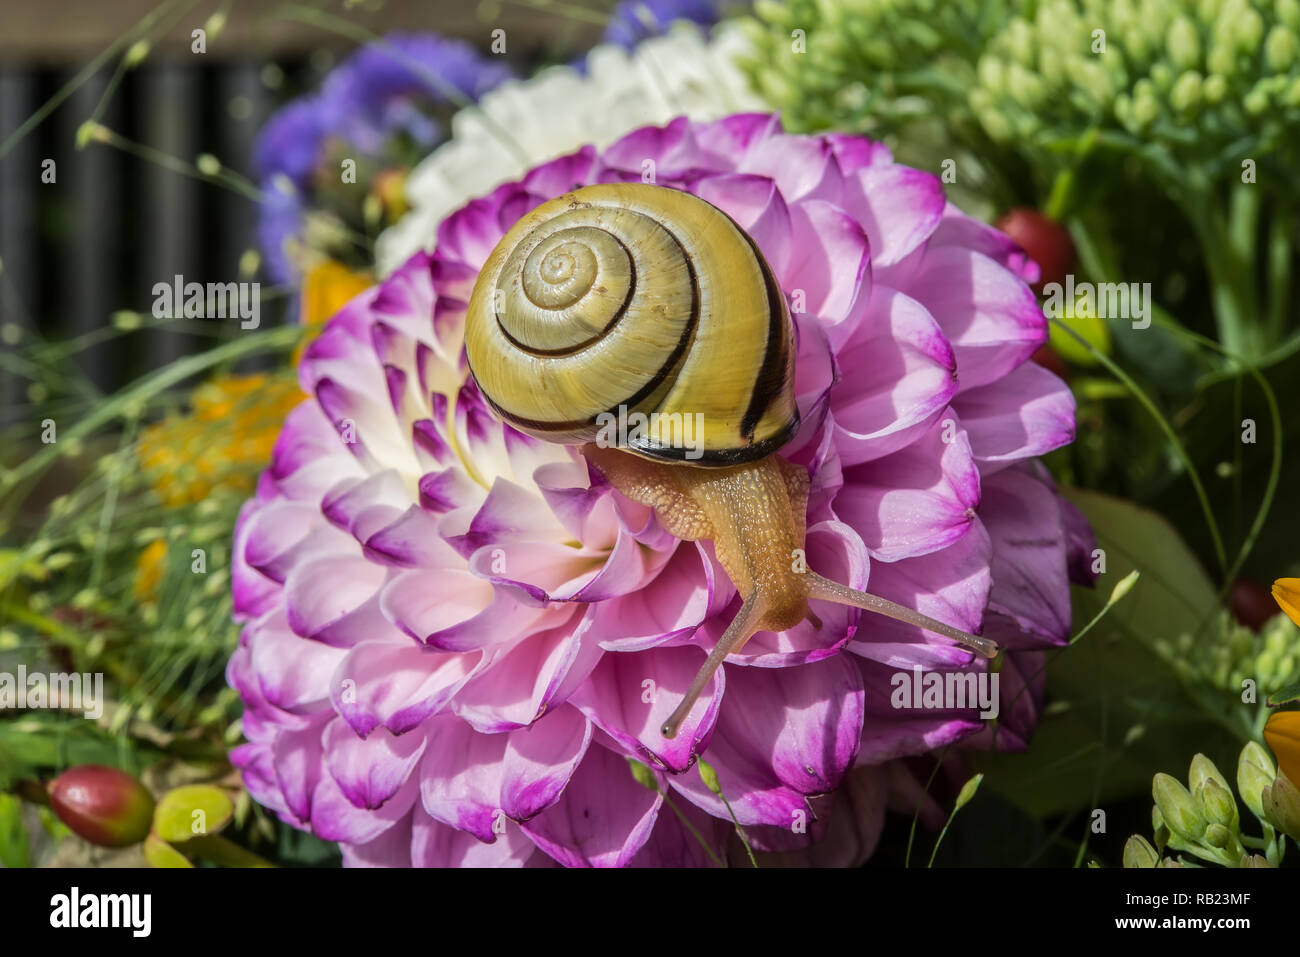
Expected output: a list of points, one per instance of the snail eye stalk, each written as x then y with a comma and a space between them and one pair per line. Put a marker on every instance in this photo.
750, 617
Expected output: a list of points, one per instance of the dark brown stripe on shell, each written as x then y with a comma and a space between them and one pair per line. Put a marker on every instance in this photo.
613, 321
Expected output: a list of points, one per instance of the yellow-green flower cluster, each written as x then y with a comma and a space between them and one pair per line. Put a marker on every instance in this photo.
1190, 75
1231, 653
1202, 818
856, 63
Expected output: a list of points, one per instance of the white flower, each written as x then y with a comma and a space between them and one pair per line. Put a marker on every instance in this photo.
523, 123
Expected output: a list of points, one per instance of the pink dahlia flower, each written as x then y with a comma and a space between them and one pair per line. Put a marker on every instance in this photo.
457, 635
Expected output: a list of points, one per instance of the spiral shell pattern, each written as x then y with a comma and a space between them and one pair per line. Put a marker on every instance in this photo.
622, 298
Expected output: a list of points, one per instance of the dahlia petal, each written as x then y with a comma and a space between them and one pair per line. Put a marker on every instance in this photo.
520, 683
293, 674
899, 207
434, 844
951, 585
471, 780
834, 550
370, 770
888, 733
784, 735
757, 206
392, 848
672, 844
1030, 581
852, 829
830, 265
452, 609
396, 685
914, 501
687, 589
321, 592
630, 696
296, 762
335, 818
899, 373
958, 229
254, 594
991, 317
603, 817
1027, 413
803, 167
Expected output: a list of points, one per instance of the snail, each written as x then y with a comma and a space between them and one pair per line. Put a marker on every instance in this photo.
627, 297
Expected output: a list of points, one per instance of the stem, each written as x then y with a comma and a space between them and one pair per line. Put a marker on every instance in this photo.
1279, 275
1229, 250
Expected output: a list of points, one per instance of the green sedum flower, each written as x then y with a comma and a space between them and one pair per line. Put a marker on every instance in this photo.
1229, 654
1202, 820
863, 63
1199, 81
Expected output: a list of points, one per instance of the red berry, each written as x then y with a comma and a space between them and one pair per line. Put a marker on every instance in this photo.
1252, 603
1044, 240
102, 804
1046, 357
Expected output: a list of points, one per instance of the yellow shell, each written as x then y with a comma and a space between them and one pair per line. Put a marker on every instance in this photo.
628, 298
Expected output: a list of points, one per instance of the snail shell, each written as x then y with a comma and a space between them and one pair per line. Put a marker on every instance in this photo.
640, 297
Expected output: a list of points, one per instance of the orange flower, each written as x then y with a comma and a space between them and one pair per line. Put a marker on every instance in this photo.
224, 440
1283, 735
1286, 592
325, 290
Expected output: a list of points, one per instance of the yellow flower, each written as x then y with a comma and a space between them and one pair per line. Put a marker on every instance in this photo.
149, 571
222, 443
1283, 736
1286, 592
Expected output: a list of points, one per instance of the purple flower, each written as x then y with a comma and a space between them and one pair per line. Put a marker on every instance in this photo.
635, 20
385, 90
455, 635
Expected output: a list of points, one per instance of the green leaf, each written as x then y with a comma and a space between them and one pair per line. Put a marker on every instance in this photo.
192, 811
1285, 696
1112, 680
14, 850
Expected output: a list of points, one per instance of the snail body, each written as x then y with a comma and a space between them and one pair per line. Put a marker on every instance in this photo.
625, 296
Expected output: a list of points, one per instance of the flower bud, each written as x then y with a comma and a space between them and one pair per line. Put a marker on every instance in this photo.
1186, 94
1282, 805
1139, 853
1255, 771
1158, 829
1216, 835
1254, 860
106, 806
1179, 810
1202, 769
1183, 43
1218, 805
709, 777
1280, 49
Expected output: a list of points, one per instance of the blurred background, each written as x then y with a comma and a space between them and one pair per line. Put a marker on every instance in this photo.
116, 221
